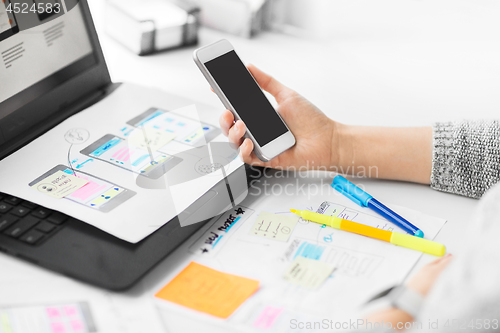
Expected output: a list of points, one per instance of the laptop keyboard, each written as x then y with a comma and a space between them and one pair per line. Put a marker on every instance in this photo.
27, 222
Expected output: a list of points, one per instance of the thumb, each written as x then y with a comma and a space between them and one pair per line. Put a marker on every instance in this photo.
269, 83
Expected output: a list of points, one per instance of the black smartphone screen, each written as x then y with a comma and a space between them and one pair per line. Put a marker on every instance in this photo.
246, 97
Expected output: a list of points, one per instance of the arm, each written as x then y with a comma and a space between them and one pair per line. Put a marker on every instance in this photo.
461, 158
390, 153
385, 152
422, 282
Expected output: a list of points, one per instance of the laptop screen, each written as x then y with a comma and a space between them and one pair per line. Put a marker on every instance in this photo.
38, 59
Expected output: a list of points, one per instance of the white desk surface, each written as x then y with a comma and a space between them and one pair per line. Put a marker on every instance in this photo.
438, 63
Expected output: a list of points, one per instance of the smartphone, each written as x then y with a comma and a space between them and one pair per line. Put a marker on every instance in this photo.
240, 93
118, 151
97, 193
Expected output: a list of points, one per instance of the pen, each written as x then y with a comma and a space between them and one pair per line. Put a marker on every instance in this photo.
365, 200
396, 238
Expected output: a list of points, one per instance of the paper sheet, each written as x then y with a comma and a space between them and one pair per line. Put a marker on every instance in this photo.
362, 266
128, 195
204, 289
24, 286
52, 318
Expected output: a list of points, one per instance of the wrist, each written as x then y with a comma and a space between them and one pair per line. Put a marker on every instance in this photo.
342, 143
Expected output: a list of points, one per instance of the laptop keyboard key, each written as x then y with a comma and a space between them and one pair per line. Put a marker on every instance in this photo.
57, 218
32, 237
22, 226
41, 212
20, 211
13, 201
45, 227
4, 207
7, 220
29, 204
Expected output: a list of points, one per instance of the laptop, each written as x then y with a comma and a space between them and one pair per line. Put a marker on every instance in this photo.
34, 99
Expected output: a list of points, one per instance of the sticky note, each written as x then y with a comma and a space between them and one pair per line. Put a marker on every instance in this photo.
77, 326
268, 317
310, 251
53, 313
5, 323
308, 273
59, 184
207, 290
274, 226
58, 327
150, 138
70, 311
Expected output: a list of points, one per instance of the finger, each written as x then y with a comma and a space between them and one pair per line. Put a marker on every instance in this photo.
247, 154
246, 149
226, 121
441, 266
439, 261
269, 83
236, 133
444, 261
212, 90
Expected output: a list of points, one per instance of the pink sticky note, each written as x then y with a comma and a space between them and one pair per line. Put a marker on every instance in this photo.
53, 312
70, 310
77, 326
58, 327
267, 317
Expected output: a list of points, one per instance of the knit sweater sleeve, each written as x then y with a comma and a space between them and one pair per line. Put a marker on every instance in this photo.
466, 157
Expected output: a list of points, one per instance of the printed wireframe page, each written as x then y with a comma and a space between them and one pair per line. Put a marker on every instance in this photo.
127, 165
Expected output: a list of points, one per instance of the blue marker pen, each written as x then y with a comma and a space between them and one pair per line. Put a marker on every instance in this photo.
365, 200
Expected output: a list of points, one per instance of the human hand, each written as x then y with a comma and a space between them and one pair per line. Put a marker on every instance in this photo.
424, 279
315, 134
422, 283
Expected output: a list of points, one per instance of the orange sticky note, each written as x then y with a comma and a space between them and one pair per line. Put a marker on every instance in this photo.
207, 290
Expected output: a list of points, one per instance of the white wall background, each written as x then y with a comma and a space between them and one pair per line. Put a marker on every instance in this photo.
389, 19
366, 62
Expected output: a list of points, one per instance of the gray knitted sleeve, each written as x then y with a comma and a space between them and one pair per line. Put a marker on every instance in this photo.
466, 157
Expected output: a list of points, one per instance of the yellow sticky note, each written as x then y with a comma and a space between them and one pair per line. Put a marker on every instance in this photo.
207, 290
5, 321
274, 226
308, 273
150, 138
59, 185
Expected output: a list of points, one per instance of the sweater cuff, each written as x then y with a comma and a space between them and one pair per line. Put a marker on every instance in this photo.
466, 157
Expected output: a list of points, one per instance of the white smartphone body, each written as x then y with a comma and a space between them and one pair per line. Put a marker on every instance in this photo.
240, 93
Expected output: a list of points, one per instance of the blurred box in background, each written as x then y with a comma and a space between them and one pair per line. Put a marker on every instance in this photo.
149, 26
244, 18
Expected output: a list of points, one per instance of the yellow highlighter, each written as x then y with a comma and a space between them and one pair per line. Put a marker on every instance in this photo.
396, 238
